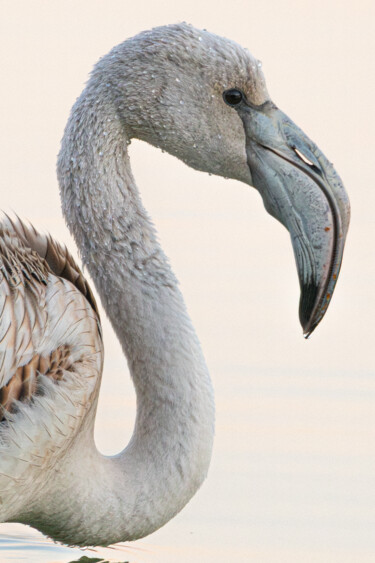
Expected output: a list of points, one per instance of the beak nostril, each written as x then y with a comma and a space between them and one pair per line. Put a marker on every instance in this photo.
303, 157
307, 161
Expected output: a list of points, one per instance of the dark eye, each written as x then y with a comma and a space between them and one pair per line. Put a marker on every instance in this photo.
233, 97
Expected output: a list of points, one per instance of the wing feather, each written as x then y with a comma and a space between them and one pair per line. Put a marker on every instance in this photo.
48, 315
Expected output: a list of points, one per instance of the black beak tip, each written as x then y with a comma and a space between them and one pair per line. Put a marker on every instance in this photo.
307, 307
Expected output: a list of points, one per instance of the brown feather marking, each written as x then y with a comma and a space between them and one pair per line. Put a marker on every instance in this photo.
29, 376
24, 383
11, 390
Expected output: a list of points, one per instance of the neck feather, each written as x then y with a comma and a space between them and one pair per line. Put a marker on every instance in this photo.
169, 453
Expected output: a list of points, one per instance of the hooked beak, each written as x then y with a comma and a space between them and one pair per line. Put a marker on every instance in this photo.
302, 190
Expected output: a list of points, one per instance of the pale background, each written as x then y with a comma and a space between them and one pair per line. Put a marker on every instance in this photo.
293, 472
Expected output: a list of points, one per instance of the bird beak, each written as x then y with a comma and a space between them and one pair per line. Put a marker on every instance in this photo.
302, 190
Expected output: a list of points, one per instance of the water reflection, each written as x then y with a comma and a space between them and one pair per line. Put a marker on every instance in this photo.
21, 543
85, 559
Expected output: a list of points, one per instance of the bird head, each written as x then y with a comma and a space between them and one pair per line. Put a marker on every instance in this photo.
203, 99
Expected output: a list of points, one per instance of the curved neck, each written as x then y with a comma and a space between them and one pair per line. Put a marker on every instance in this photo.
169, 453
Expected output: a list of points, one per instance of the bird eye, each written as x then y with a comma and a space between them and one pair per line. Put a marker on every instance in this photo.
233, 97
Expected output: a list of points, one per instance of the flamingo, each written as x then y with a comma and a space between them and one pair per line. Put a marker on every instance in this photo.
203, 99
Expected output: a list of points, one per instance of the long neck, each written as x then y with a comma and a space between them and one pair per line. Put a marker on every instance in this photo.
169, 453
